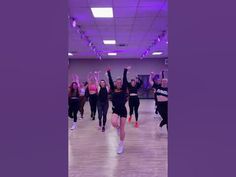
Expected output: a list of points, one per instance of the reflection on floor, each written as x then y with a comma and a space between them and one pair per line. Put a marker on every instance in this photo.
92, 153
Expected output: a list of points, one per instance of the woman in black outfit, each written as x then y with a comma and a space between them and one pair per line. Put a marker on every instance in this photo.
119, 114
92, 90
134, 102
162, 97
102, 104
82, 100
155, 81
73, 98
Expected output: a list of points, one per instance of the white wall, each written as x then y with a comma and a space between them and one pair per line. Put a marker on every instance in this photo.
83, 66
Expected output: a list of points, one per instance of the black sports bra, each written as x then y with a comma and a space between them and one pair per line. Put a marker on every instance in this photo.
161, 91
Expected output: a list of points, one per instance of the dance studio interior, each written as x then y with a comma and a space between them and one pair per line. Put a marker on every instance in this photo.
118, 92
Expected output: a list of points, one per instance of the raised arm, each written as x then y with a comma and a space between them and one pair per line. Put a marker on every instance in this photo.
96, 76
86, 85
112, 87
73, 77
162, 74
89, 77
151, 78
140, 83
77, 80
125, 81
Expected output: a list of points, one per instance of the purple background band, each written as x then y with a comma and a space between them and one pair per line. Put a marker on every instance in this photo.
33, 98
202, 89
33, 66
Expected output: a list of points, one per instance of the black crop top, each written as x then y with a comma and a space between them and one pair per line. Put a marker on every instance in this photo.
136, 87
103, 95
156, 86
118, 96
74, 95
161, 91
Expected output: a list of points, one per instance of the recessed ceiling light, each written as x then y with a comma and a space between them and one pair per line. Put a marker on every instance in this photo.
157, 53
102, 12
112, 54
166, 42
74, 23
70, 54
109, 42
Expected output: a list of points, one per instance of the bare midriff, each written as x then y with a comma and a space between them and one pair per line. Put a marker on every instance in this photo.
161, 98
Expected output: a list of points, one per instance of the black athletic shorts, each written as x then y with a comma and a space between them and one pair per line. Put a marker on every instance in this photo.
121, 111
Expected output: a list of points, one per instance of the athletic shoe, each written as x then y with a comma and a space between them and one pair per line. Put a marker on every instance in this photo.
120, 149
156, 111
74, 125
103, 129
99, 127
129, 119
162, 123
161, 130
136, 125
118, 131
80, 118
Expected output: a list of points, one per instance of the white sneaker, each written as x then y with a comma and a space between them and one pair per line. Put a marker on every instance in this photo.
118, 131
120, 149
161, 130
74, 125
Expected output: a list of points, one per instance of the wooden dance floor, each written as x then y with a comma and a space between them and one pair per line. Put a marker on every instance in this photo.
92, 153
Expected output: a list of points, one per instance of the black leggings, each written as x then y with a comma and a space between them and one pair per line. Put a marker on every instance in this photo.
133, 106
73, 109
93, 104
102, 112
156, 103
82, 100
163, 110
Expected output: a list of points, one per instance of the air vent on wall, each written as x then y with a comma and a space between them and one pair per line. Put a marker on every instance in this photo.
166, 61
122, 45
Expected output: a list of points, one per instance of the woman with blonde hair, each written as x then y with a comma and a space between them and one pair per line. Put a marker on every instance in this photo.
119, 114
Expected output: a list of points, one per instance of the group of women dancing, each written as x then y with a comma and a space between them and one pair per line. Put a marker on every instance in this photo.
99, 92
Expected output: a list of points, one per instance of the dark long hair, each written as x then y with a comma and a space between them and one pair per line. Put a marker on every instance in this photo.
156, 77
103, 81
71, 89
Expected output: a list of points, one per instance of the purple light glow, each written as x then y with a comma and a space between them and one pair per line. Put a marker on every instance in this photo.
157, 53
112, 54
103, 12
83, 36
122, 28
109, 42
74, 23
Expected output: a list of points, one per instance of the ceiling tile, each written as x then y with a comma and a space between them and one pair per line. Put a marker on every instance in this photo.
125, 12
125, 3
135, 23
100, 3
124, 21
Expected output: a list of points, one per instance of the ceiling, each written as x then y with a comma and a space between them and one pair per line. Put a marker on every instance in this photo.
136, 23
